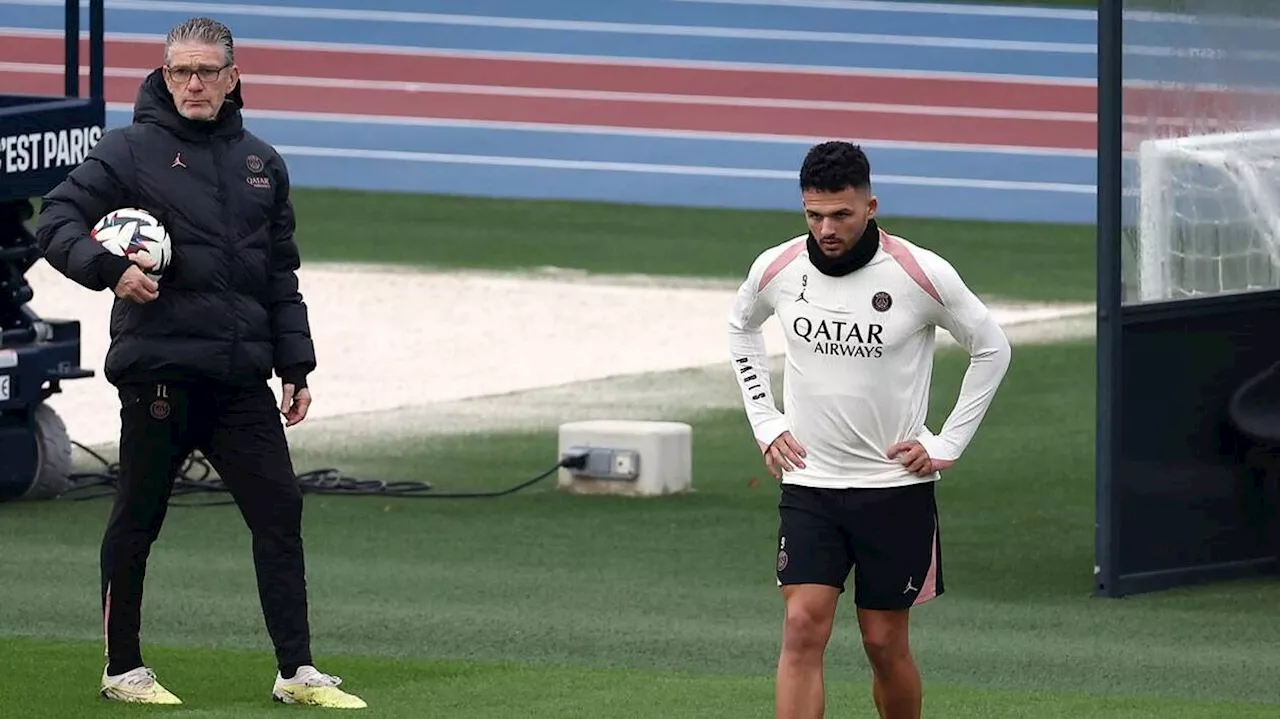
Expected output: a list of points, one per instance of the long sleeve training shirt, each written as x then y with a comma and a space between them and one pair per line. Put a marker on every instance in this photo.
859, 359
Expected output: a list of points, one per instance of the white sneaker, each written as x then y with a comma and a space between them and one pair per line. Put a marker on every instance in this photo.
310, 686
138, 686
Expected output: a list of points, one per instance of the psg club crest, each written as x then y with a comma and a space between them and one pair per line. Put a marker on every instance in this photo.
160, 409
881, 302
254, 163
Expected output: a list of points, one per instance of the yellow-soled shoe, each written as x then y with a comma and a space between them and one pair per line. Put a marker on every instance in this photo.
311, 687
138, 686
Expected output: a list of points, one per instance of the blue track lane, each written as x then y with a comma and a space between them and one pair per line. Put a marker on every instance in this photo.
665, 168
922, 183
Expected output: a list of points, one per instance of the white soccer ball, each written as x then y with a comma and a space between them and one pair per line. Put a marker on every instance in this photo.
129, 231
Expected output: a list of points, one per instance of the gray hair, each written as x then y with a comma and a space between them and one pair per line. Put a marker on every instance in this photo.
202, 31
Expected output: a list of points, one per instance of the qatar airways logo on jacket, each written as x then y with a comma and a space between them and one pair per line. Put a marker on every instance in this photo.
256, 165
841, 338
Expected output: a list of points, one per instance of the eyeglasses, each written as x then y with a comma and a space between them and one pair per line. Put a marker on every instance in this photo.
183, 75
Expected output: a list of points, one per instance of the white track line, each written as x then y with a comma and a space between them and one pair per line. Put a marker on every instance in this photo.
655, 98
917, 8
661, 169
805, 140
489, 21
404, 50
944, 9
592, 26
600, 95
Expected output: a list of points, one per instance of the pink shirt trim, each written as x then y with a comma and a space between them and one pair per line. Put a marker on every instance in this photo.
907, 261
787, 257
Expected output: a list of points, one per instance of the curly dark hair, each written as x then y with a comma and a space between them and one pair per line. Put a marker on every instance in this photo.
833, 166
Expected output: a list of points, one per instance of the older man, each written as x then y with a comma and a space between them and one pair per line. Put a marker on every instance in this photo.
191, 355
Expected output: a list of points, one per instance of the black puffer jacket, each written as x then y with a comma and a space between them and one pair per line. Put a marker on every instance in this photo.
229, 309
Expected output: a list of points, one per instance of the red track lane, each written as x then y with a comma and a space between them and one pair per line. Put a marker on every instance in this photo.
680, 81
865, 126
656, 114
585, 76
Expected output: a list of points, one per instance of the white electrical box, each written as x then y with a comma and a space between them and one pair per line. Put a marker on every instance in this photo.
628, 457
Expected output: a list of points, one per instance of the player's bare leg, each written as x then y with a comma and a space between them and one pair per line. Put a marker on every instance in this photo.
896, 680
810, 614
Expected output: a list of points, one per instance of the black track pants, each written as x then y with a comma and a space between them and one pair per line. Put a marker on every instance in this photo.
239, 431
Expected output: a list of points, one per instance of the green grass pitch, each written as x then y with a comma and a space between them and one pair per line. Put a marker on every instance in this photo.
544, 605
1024, 261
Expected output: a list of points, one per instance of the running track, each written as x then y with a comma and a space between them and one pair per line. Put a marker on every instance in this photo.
967, 112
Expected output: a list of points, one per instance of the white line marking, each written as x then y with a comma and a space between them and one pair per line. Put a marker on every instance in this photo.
1206, 17
919, 8
601, 95
647, 168
489, 21
655, 98
549, 127
591, 26
403, 50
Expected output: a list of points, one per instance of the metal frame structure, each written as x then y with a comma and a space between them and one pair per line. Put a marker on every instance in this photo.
1181, 497
48, 136
21, 114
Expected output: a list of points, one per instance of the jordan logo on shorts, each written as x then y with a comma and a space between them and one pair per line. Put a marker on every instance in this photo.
909, 587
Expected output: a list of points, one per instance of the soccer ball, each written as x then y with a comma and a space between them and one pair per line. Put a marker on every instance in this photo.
129, 230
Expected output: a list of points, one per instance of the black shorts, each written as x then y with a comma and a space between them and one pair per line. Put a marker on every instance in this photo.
887, 537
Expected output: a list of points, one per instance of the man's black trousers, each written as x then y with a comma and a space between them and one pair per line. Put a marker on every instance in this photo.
239, 430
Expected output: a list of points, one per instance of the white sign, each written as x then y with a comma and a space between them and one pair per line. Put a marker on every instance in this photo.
4, 387
43, 150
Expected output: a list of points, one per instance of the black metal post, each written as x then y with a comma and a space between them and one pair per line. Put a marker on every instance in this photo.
97, 61
1110, 285
71, 35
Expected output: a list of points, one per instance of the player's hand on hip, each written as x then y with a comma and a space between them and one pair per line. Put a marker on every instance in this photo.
784, 455
136, 286
913, 456
294, 404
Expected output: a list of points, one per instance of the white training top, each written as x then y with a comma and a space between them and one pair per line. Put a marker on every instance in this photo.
859, 359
